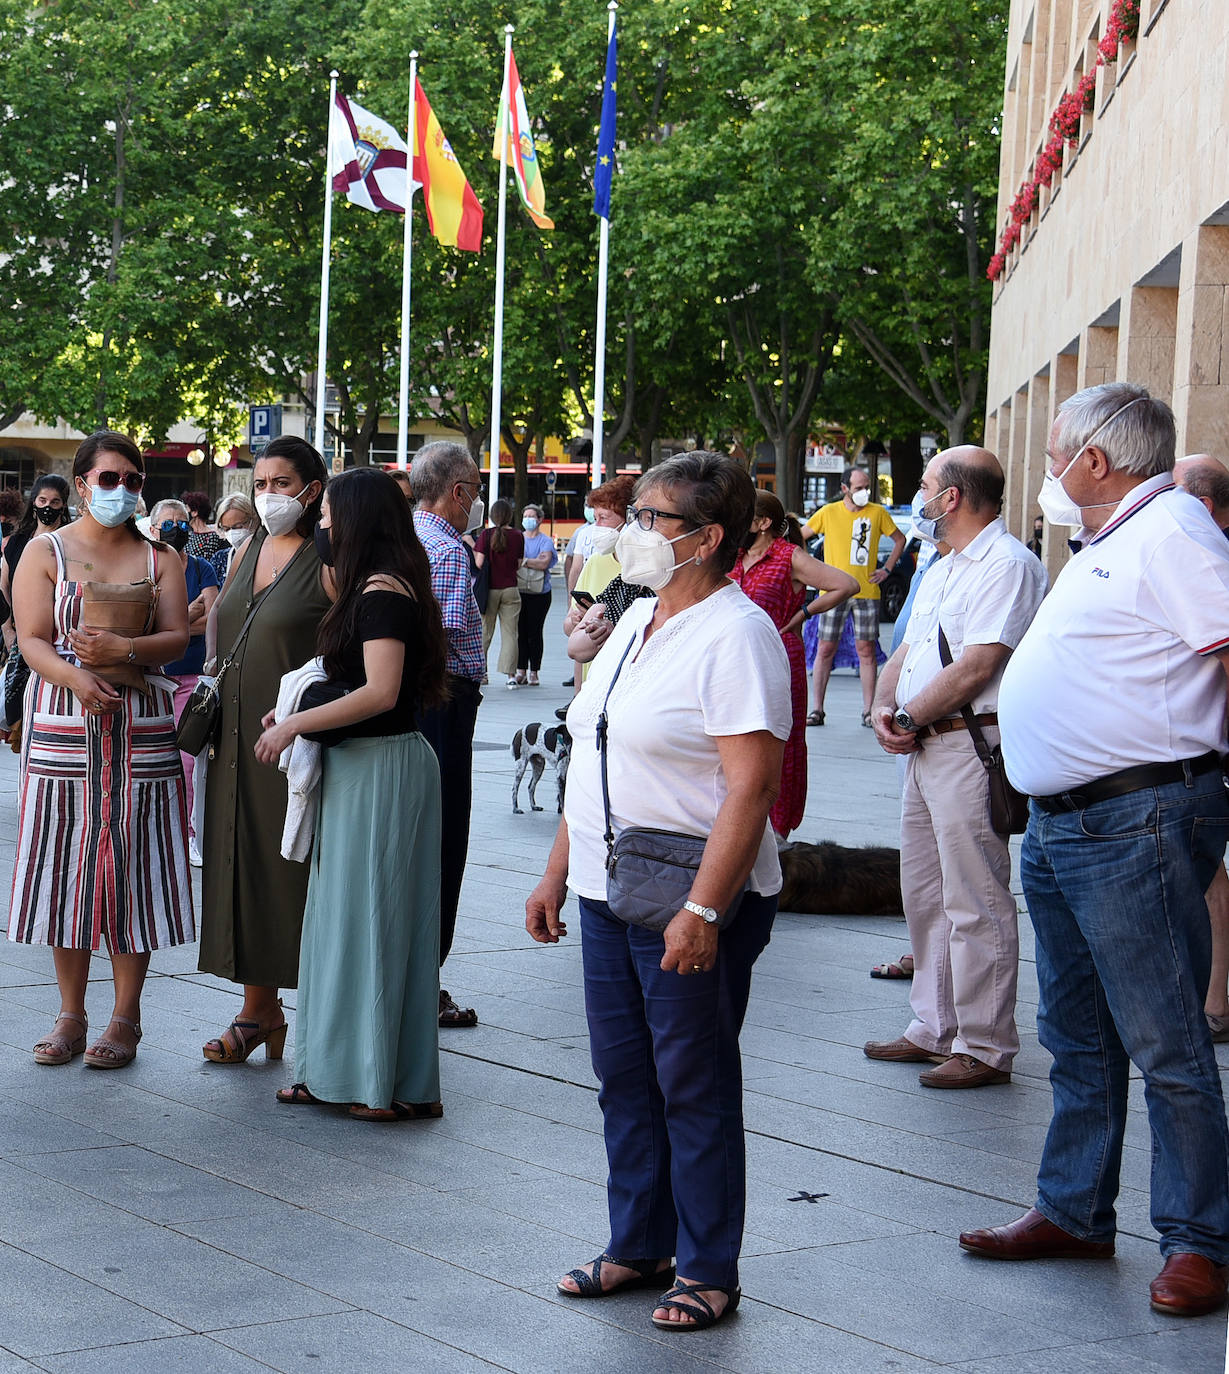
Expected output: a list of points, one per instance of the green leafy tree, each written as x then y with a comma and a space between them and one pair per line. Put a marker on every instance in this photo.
913, 94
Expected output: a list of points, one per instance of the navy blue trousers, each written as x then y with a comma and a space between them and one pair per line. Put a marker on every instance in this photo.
665, 1050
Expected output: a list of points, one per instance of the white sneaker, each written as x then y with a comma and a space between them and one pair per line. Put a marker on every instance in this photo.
512, 682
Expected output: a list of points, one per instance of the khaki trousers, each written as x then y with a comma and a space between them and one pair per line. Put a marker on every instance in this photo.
503, 605
955, 875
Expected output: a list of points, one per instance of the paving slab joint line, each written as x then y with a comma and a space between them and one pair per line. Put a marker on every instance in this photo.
214, 1333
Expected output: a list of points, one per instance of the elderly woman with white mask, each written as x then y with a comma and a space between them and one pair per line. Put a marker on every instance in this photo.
692, 692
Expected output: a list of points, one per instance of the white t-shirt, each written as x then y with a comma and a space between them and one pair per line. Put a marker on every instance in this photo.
718, 668
987, 593
1118, 667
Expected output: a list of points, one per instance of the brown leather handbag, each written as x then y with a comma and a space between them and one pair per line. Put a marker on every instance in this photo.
126, 609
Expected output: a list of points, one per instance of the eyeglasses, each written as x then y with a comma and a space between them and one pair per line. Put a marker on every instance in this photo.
109, 480
168, 525
646, 517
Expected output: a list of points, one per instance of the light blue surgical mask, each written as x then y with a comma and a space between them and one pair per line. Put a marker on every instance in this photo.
111, 508
923, 526
590, 515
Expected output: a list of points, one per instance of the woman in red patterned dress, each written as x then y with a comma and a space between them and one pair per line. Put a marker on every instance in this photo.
776, 574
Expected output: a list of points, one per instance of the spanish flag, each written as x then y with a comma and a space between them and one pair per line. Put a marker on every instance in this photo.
453, 211
521, 154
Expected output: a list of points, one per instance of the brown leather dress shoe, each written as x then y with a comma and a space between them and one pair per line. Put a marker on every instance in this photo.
1032, 1237
962, 1071
1189, 1286
900, 1051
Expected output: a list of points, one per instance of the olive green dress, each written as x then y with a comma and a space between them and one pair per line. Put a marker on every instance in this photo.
252, 912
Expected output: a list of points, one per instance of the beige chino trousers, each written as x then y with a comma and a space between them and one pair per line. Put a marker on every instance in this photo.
955, 876
503, 607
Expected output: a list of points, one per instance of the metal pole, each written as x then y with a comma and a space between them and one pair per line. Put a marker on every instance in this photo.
498, 349
403, 392
322, 350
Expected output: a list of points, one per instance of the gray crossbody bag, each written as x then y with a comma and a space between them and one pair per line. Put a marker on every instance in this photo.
649, 872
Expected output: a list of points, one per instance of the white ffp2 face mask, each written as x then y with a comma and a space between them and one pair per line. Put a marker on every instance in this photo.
646, 558
279, 514
1057, 507
860, 498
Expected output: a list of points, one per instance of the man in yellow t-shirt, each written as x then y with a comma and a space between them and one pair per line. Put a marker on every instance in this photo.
852, 528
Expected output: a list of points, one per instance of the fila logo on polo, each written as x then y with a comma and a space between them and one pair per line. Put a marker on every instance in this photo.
1100, 572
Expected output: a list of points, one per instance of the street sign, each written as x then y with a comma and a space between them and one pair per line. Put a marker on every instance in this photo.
264, 424
551, 479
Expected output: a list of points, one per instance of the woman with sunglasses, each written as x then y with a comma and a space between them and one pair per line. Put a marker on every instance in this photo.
252, 898
169, 523
102, 845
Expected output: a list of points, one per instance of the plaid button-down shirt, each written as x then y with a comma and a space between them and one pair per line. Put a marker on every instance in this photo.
453, 585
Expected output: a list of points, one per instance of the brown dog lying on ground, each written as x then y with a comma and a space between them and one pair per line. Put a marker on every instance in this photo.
833, 880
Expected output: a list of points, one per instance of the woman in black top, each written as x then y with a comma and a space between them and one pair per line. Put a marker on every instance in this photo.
366, 1033
47, 509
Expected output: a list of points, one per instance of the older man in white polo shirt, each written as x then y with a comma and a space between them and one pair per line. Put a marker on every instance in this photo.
955, 872
1113, 718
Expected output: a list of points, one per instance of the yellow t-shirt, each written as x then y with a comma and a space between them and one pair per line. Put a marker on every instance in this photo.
851, 540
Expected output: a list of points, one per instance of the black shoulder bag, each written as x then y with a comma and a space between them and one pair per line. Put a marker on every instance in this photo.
649, 872
202, 713
1008, 808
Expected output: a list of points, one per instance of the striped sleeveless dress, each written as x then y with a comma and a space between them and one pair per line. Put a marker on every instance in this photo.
102, 849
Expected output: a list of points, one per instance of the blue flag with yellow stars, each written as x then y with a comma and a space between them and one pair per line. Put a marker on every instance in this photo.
604, 168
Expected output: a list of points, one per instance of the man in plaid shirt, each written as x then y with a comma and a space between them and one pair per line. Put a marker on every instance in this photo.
445, 484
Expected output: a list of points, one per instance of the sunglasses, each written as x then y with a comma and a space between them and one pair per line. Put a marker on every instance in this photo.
109, 480
168, 525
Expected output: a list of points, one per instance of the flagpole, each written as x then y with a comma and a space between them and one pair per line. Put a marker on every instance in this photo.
403, 393
599, 361
322, 350
498, 349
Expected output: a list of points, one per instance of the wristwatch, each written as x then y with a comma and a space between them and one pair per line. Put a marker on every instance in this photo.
906, 721
708, 914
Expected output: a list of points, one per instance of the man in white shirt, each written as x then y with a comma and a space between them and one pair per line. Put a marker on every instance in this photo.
1113, 720
955, 871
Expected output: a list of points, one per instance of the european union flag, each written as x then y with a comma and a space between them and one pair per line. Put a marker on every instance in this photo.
604, 168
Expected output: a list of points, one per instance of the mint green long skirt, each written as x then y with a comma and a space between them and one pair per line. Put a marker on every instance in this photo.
367, 1028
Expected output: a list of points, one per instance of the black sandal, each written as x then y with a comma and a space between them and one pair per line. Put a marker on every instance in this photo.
453, 1017
703, 1316
647, 1275
297, 1095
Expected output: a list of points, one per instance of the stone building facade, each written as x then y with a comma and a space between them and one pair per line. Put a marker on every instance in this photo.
1118, 268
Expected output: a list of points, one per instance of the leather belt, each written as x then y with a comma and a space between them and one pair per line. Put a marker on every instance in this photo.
1129, 780
950, 723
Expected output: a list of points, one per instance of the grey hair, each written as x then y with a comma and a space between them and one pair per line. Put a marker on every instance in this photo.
1134, 430
533, 505
437, 467
708, 489
237, 500
1210, 481
169, 504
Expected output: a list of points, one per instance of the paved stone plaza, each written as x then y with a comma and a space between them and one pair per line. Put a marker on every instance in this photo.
172, 1217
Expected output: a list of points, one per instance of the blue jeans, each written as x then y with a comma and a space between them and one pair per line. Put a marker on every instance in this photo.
665, 1050
1115, 893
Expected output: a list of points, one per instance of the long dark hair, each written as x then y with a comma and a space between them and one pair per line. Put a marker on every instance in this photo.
49, 481
501, 515
372, 533
310, 467
784, 525
110, 441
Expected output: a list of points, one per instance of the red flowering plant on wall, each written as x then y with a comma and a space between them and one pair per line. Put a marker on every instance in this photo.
1121, 27
1064, 128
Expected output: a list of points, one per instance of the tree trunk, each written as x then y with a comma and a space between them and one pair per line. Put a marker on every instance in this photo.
519, 448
